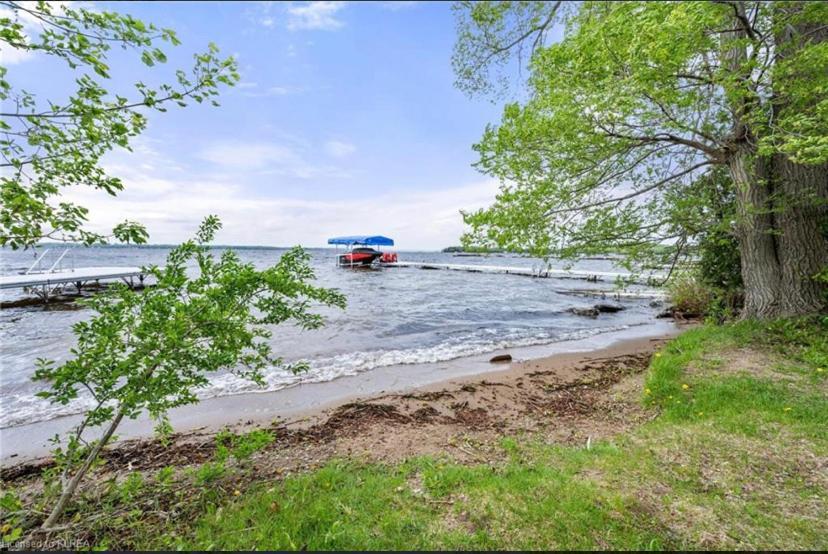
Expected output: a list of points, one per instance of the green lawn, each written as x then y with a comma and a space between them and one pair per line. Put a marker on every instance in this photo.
736, 458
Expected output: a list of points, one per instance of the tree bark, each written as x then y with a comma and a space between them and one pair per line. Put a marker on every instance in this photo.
760, 265
757, 248
70, 488
802, 242
801, 214
780, 205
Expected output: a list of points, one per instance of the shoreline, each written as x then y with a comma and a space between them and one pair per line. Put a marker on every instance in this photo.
306, 404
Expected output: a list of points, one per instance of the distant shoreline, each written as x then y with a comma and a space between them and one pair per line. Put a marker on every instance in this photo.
211, 247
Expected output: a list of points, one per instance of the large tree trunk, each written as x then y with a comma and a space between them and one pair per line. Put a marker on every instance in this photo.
782, 217
780, 204
802, 244
760, 265
801, 214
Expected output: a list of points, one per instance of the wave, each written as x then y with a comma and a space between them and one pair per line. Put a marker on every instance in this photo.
26, 408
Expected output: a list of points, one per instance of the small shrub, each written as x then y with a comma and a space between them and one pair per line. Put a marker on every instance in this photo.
210, 472
131, 488
241, 447
720, 265
245, 446
165, 475
822, 276
690, 296
12, 520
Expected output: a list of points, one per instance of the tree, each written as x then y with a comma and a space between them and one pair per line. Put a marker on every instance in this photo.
47, 146
635, 105
151, 350
141, 351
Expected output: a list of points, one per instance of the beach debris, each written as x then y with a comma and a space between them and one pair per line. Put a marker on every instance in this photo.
587, 312
501, 358
428, 396
608, 308
678, 315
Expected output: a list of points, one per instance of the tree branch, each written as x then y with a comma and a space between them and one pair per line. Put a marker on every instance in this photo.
632, 194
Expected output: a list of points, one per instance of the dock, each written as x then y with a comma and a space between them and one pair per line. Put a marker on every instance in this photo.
539, 272
618, 295
50, 283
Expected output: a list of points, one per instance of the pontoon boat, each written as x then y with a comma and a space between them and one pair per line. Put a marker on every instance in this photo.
359, 251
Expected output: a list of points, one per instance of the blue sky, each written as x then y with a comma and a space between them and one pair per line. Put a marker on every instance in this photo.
346, 121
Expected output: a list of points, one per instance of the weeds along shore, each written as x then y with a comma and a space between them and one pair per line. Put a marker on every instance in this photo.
716, 439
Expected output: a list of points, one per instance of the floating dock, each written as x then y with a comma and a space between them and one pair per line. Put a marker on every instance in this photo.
540, 272
50, 283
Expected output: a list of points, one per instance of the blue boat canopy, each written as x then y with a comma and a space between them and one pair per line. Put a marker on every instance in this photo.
370, 240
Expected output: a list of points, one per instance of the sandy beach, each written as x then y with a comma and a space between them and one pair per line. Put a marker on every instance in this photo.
368, 412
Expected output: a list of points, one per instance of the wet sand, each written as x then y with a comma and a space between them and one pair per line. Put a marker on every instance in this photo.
306, 405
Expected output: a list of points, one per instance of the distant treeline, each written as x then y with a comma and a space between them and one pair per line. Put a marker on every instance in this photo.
160, 245
480, 250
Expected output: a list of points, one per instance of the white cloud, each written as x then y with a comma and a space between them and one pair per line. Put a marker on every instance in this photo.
247, 156
314, 16
32, 26
259, 13
171, 200
269, 159
254, 92
397, 5
172, 209
339, 149
12, 56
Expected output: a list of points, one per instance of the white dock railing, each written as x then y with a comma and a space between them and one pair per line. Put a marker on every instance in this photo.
48, 284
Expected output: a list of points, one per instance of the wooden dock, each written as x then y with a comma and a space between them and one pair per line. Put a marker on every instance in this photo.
539, 272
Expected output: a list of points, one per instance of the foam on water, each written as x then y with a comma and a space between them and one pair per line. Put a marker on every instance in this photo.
30, 409
394, 317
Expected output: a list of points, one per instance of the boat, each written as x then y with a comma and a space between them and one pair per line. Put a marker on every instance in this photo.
360, 251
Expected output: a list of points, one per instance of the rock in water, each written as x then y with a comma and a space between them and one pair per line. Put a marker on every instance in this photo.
588, 312
608, 308
501, 358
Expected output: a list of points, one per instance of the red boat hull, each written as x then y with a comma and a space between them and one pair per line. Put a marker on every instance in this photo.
358, 259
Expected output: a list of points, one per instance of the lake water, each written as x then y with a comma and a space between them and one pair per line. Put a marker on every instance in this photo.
394, 317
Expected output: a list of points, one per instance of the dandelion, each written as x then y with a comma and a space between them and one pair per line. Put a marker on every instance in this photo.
685, 386
237, 492
820, 369
658, 354
787, 409
647, 391
670, 397
701, 413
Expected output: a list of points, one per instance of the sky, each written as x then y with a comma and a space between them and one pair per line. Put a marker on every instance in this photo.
346, 121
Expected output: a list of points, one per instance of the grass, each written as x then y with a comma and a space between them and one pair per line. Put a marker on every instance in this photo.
735, 460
